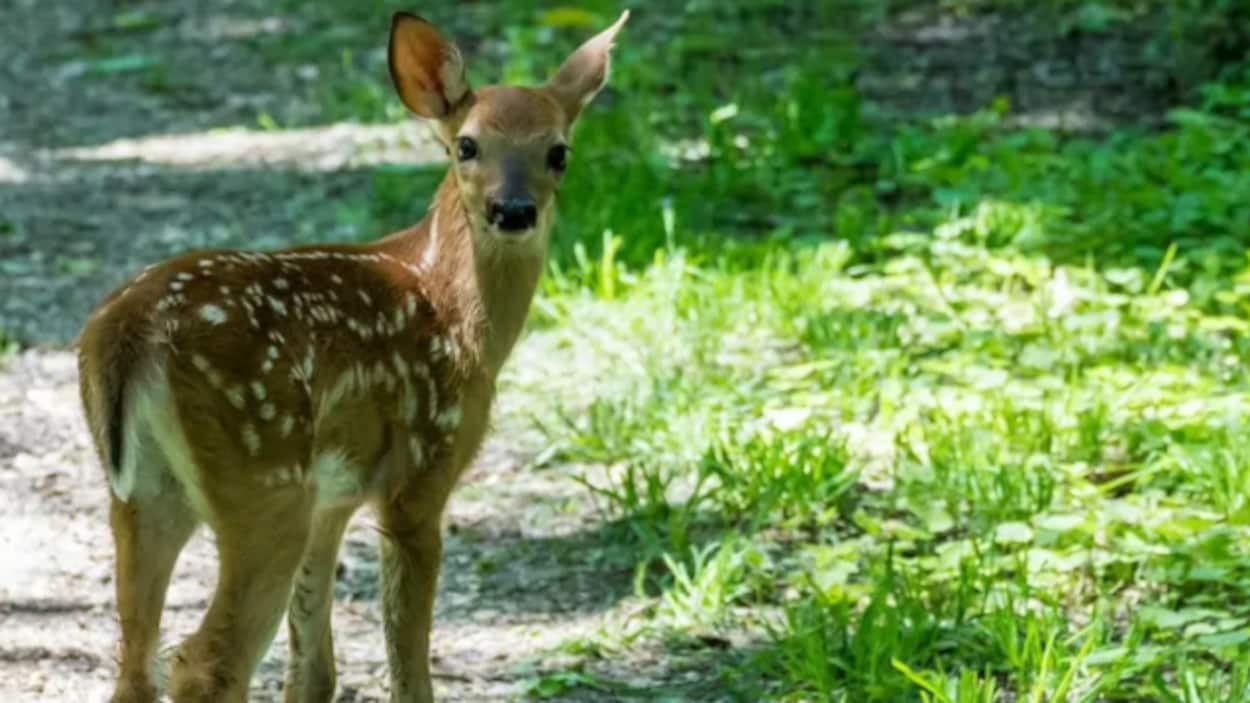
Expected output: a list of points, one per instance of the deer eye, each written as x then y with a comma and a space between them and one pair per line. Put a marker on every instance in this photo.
558, 158
466, 149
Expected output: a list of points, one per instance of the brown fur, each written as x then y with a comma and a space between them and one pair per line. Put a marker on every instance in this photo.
269, 395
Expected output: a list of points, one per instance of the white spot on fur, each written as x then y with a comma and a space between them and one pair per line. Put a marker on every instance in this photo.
430, 255
277, 305
342, 386
417, 451
251, 438
306, 366
175, 285
236, 397
448, 419
185, 276
281, 283
420, 370
382, 375
268, 411
258, 390
288, 424
212, 314
170, 301
409, 404
400, 367
334, 477
203, 365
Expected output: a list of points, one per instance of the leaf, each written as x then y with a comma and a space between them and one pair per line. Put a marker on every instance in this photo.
1225, 639
1167, 619
936, 518
1013, 533
724, 112
1061, 523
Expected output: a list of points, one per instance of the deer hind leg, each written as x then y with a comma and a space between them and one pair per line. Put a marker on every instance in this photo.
310, 668
260, 540
149, 531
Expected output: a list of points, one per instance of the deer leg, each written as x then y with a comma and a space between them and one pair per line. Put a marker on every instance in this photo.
411, 550
149, 531
310, 668
259, 545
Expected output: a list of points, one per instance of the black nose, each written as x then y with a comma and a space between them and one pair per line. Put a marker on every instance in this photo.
512, 214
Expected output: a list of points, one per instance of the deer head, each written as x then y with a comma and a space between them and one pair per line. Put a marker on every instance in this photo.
509, 145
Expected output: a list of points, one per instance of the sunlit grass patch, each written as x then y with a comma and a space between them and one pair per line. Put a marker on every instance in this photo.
962, 472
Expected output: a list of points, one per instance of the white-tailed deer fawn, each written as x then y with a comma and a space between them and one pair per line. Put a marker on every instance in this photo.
271, 394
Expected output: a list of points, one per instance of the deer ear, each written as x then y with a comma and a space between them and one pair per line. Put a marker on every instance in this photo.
427, 69
585, 71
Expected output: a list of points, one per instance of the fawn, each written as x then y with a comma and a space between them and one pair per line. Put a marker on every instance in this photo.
271, 394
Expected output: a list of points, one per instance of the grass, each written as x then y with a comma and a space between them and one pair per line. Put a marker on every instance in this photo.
1032, 476
938, 410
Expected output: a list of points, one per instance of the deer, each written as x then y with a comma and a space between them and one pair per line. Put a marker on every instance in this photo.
270, 394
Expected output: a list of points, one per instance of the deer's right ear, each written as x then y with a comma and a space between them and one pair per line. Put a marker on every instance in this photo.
427, 69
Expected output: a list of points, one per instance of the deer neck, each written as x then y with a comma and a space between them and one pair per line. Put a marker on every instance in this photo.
480, 284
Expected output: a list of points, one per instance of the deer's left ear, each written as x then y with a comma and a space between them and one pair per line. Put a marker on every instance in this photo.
427, 69
584, 73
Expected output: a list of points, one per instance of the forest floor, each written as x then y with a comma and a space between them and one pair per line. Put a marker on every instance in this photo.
132, 131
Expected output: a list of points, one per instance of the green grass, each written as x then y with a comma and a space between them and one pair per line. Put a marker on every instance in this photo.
924, 410
1031, 476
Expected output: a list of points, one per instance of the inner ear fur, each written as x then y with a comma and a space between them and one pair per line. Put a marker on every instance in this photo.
426, 68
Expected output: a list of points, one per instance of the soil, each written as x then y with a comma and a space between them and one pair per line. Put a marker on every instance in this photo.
1049, 69
104, 168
